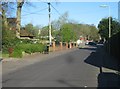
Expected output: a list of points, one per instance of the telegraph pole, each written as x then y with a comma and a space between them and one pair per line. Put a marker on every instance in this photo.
49, 9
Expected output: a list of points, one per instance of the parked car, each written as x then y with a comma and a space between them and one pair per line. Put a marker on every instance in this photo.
92, 43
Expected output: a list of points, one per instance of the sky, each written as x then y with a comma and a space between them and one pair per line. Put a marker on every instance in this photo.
81, 12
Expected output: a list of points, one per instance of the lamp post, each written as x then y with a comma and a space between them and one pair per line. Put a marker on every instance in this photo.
105, 6
109, 32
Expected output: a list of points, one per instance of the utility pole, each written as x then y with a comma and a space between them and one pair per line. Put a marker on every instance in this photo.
109, 30
49, 9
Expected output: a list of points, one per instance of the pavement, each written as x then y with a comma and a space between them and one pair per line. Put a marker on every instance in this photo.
12, 64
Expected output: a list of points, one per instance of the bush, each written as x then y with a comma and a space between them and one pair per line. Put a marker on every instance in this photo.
17, 53
9, 40
27, 48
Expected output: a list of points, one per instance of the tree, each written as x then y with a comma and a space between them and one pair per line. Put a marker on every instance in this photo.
4, 6
44, 31
32, 30
36, 30
104, 27
19, 8
62, 20
93, 35
29, 28
8, 39
67, 33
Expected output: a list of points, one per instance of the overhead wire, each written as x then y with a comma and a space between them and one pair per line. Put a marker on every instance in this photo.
55, 9
37, 12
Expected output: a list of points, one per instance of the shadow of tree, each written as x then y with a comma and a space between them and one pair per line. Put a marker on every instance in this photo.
108, 79
92, 49
102, 60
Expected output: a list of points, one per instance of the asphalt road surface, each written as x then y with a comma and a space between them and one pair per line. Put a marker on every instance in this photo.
66, 70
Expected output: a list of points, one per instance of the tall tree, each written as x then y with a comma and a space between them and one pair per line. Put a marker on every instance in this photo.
6, 10
93, 34
62, 20
19, 8
104, 27
67, 33
4, 6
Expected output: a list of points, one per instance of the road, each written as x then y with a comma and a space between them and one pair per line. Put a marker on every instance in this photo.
66, 70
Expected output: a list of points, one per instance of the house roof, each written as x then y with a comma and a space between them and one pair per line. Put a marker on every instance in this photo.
12, 20
24, 33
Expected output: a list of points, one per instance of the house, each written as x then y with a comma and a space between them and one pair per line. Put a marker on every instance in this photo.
25, 35
12, 23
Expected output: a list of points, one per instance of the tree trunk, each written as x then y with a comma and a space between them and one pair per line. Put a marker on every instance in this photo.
18, 24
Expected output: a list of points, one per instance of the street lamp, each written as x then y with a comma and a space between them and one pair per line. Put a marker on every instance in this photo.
105, 6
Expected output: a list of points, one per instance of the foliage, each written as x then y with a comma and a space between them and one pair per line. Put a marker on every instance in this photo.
8, 39
44, 31
44, 34
17, 53
29, 28
104, 27
67, 33
93, 34
33, 30
27, 48
63, 19
31, 48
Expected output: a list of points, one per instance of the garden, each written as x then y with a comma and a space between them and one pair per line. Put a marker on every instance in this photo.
14, 47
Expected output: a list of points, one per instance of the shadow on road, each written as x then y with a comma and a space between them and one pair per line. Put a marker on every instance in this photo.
108, 79
101, 60
93, 49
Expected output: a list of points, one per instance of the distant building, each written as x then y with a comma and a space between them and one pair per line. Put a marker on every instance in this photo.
25, 35
12, 23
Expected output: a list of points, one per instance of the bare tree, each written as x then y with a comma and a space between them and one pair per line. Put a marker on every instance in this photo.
4, 6
19, 8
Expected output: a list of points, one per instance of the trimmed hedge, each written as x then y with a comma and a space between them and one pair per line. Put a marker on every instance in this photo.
27, 48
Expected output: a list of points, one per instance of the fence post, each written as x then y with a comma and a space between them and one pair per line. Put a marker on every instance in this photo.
54, 46
66, 45
61, 45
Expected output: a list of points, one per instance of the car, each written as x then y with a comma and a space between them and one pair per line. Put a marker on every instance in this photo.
92, 43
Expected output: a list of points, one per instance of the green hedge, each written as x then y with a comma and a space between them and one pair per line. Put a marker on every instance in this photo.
27, 48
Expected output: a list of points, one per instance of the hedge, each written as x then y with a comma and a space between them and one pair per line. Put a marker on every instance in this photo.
27, 48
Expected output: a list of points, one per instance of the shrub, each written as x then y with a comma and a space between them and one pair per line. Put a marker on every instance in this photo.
9, 40
17, 53
28, 48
